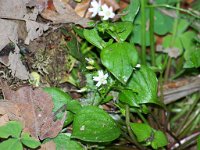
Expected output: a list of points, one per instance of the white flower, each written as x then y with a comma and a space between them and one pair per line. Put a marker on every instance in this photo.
96, 6
106, 12
138, 66
101, 78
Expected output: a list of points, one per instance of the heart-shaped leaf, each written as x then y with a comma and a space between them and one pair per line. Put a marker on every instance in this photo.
94, 125
29, 141
119, 59
144, 85
11, 144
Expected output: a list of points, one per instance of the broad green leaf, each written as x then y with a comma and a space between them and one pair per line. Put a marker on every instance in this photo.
159, 140
131, 11
93, 37
192, 58
142, 131
29, 141
12, 128
69, 119
120, 33
127, 96
136, 36
187, 40
168, 43
162, 23
145, 83
59, 97
94, 125
182, 26
119, 59
11, 144
63, 142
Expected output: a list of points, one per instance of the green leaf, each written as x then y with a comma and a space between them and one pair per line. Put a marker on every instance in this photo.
119, 59
187, 40
192, 58
162, 23
29, 141
142, 131
131, 11
127, 96
198, 142
182, 26
159, 140
73, 46
145, 83
59, 97
12, 128
93, 37
11, 144
136, 36
120, 33
63, 141
94, 125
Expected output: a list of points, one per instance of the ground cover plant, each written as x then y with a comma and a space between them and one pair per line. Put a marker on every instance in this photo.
109, 74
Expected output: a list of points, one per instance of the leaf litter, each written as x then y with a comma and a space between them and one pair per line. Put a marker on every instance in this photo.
34, 108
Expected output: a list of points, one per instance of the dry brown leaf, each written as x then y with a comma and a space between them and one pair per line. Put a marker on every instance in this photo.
48, 146
4, 119
8, 32
15, 9
16, 66
35, 109
66, 15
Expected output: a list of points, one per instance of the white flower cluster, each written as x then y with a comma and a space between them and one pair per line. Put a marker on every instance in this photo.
101, 10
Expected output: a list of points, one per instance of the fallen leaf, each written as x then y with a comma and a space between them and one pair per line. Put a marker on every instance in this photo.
66, 15
14, 9
16, 66
8, 32
48, 146
35, 109
4, 119
34, 30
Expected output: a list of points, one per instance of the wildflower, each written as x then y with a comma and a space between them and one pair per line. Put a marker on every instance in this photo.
138, 66
101, 78
106, 12
96, 6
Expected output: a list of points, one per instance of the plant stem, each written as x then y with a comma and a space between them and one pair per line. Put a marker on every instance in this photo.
152, 46
143, 33
172, 43
195, 99
190, 12
129, 128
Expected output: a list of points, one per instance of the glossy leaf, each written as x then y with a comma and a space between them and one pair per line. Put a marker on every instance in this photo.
131, 11
127, 96
120, 33
12, 128
29, 141
192, 58
93, 37
63, 141
159, 140
144, 82
142, 131
119, 59
11, 144
94, 125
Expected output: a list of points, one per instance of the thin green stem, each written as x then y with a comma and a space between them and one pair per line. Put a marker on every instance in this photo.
152, 46
190, 12
143, 33
172, 42
129, 128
